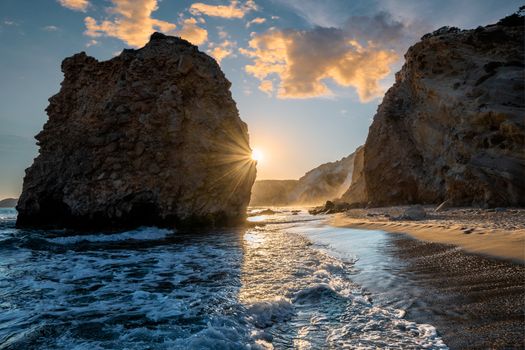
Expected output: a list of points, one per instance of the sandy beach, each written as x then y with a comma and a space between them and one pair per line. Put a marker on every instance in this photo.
494, 232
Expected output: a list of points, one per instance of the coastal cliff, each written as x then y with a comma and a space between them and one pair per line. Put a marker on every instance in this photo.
150, 137
325, 182
452, 127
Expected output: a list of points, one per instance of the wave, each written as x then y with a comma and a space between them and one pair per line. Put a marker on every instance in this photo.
140, 234
263, 314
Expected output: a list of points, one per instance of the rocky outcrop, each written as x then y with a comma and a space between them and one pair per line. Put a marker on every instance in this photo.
272, 192
151, 136
452, 127
326, 182
8, 203
356, 193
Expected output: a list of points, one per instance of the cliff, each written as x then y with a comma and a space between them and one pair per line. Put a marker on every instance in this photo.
150, 137
326, 182
356, 192
272, 192
452, 127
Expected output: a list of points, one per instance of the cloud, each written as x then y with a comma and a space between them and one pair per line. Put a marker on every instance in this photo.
192, 32
233, 10
380, 29
76, 5
9, 22
258, 20
92, 42
50, 28
130, 22
266, 86
222, 33
222, 50
305, 59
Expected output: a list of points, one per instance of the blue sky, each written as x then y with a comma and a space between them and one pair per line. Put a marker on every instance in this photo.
307, 75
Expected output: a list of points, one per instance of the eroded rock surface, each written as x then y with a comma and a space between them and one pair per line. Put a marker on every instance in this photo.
325, 182
356, 193
453, 125
151, 136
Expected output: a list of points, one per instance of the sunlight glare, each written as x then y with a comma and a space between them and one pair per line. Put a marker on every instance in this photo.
257, 155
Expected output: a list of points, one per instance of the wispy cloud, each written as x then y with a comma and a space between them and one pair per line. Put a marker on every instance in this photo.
234, 10
304, 60
76, 5
192, 32
50, 28
222, 50
258, 20
266, 86
130, 21
92, 42
10, 22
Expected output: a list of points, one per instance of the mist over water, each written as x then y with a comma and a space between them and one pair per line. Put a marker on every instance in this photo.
261, 288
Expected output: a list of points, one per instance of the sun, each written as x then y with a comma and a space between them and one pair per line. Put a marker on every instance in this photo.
257, 155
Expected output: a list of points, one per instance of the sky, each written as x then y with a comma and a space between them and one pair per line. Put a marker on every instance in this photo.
307, 75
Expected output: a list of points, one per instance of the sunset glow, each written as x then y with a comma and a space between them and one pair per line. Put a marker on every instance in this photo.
257, 155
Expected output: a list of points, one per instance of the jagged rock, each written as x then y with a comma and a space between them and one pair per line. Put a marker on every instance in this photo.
416, 212
331, 208
151, 136
326, 182
453, 125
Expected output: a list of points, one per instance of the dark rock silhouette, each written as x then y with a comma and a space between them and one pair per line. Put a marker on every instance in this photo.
150, 137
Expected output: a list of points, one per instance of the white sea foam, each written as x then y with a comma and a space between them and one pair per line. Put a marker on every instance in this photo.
268, 289
140, 234
267, 312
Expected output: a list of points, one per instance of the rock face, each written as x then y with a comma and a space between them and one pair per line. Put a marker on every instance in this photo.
8, 203
356, 193
151, 136
326, 182
452, 127
272, 192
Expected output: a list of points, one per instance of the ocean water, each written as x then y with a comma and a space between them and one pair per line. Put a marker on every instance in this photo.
288, 283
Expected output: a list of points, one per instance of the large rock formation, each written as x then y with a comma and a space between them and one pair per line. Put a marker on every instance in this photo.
356, 193
272, 192
151, 136
453, 125
326, 182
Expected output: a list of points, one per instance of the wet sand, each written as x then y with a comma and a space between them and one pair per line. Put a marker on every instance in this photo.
474, 301
495, 233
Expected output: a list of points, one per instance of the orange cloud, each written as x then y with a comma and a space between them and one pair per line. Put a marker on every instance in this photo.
131, 22
76, 5
258, 20
234, 10
266, 86
222, 50
304, 60
192, 32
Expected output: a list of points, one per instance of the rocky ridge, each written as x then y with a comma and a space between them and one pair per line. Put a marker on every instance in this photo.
151, 136
326, 182
452, 127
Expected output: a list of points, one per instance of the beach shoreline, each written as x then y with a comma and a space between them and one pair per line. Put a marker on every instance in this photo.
496, 233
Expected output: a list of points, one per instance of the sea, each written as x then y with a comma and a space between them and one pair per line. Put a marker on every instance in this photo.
290, 281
